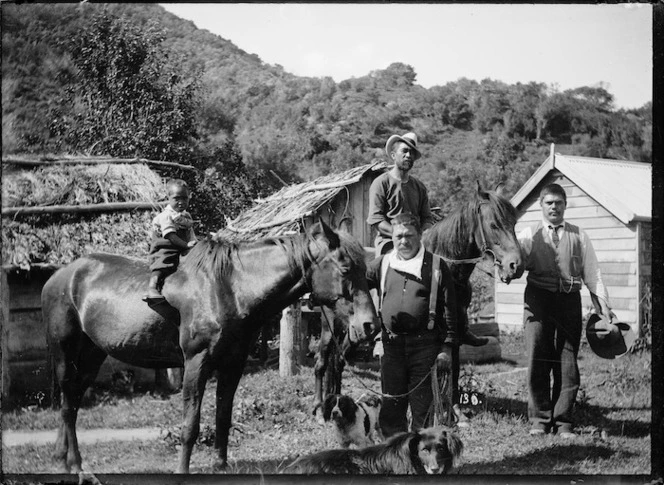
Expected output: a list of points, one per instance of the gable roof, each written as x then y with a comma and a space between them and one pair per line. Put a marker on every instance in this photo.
281, 212
624, 188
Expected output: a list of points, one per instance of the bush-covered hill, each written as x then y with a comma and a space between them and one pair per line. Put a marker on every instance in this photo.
135, 80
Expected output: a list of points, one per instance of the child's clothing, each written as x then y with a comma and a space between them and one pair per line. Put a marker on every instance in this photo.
165, 256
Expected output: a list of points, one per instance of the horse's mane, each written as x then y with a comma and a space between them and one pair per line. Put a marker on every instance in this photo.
216, 255
354, 249
211, 254
450, 237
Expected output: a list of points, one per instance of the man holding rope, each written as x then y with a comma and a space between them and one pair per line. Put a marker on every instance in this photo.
414, 331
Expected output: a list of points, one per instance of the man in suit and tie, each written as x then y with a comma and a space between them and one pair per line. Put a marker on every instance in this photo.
559, 257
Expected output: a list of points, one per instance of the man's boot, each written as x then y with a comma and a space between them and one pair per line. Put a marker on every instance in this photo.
153, 288
469, 338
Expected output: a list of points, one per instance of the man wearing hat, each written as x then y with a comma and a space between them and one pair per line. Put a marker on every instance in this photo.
559, 257
397, 191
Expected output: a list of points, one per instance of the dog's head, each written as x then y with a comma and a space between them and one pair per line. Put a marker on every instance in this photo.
339, 408
438, 449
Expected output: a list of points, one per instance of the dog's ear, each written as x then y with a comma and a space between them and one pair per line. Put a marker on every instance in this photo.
347, 406
454, 447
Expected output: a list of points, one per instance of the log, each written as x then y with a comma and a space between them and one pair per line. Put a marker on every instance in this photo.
91, 161
292, 336
75, 209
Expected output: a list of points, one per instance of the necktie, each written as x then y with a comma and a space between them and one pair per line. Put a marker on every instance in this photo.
554, 235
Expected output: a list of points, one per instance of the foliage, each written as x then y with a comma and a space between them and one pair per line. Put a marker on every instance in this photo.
224, 187
290, 128
60, 239
129, 98
644, 342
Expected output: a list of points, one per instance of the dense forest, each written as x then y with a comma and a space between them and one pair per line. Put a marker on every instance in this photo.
135, 80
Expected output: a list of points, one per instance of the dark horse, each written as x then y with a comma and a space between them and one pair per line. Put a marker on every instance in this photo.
483, 227
219, 297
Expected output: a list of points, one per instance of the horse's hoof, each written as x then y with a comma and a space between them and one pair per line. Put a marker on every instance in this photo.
87, 478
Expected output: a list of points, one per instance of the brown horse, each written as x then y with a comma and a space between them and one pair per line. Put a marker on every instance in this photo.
217, 300
483, 227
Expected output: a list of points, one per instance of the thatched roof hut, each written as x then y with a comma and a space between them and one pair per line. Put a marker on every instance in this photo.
341, 199
54, 213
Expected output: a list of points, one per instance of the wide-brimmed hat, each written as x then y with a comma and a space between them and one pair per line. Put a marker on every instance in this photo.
609, 340
409, 139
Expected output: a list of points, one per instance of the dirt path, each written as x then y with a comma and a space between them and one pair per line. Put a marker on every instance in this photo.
17, 438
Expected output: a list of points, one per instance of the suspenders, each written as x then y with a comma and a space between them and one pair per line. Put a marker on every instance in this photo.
433, 295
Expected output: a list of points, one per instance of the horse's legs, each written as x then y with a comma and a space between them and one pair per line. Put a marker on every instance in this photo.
76, 370
193, 386
322, 356
226, 386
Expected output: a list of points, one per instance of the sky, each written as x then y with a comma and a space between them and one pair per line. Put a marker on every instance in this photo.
564, 46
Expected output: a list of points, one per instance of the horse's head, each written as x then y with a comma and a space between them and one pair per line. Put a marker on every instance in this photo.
339, 272
495, 234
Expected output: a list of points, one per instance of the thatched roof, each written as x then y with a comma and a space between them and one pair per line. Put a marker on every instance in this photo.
283, 212
53, 214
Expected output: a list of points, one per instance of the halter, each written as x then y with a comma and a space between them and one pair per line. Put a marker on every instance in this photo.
484, 249
313, 296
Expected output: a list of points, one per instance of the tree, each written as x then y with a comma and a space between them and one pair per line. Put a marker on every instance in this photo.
129, 98
223, 187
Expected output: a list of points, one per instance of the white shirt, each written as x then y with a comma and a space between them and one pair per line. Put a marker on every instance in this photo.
592, 276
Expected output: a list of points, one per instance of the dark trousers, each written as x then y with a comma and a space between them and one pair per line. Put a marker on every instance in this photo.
406, 362
552, 326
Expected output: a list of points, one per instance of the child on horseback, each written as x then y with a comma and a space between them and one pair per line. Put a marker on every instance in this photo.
172, 235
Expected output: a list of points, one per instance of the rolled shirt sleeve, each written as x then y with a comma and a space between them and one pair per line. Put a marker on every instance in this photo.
592, 276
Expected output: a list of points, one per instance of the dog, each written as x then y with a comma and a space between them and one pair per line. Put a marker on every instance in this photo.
355, 422
429, 451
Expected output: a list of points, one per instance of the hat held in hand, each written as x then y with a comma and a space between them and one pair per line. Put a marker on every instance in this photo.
609, 340
409, 139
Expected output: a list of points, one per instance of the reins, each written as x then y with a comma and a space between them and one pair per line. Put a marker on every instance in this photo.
441, 387
357, 377
484, 248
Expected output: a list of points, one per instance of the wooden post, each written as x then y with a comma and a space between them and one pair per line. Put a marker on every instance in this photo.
292, 348
4, 338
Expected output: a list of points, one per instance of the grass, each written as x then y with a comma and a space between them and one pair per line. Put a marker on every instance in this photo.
274, 423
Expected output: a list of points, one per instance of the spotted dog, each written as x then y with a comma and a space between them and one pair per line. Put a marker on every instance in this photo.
355, 422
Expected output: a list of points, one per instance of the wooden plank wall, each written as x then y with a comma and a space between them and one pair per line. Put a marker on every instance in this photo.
615, 243
352, 206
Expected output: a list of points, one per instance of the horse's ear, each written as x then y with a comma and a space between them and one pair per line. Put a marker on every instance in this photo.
480, 192
322, 229
500, 189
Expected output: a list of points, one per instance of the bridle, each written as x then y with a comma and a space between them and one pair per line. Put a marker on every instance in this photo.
484, 248
313, 296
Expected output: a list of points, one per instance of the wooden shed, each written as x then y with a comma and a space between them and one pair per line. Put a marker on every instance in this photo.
54, 211
340, 199
609, 199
